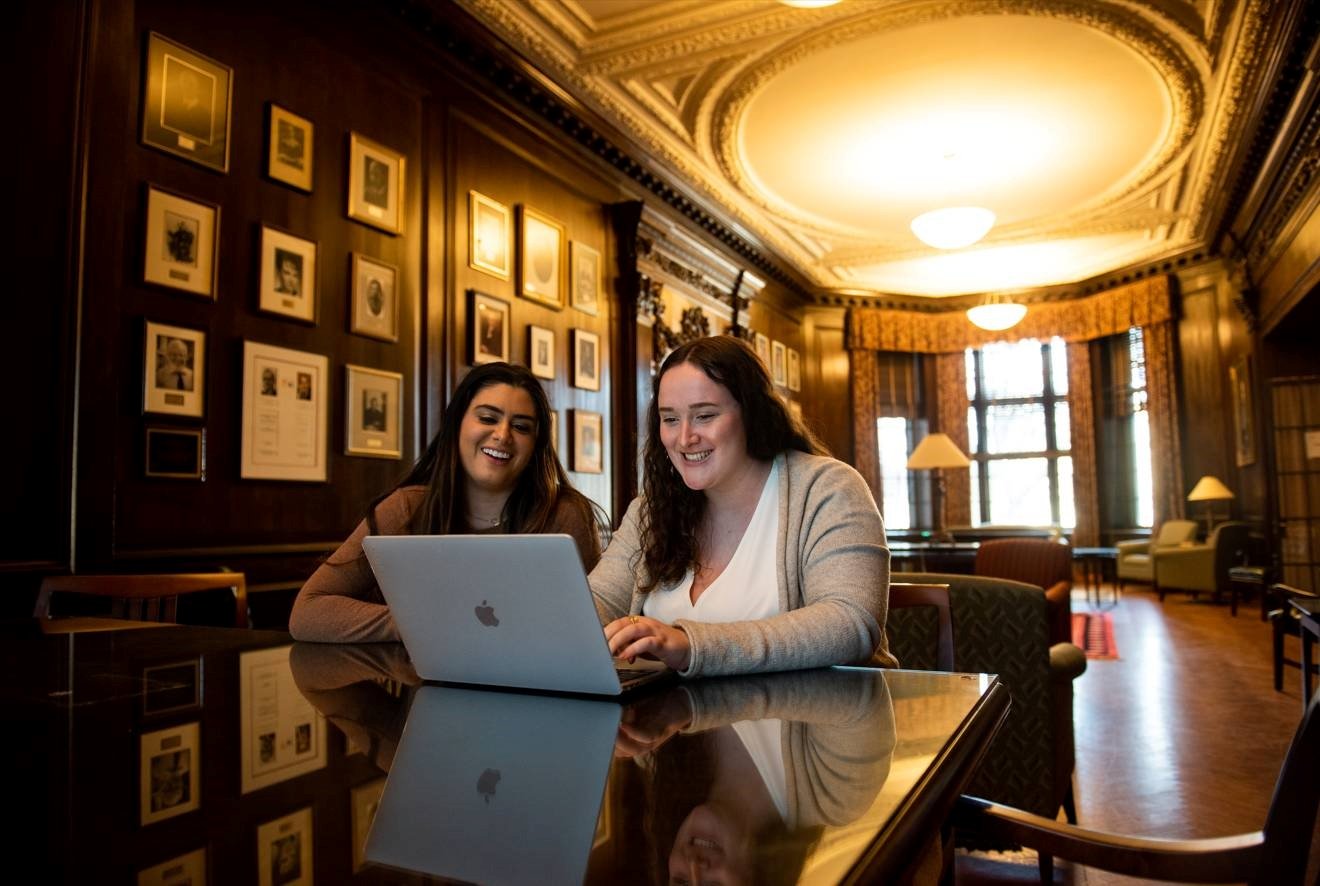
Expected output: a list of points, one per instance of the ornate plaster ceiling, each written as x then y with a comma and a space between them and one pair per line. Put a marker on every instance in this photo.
1096, 130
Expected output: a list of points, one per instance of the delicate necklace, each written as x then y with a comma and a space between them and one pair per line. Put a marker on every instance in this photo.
474, 520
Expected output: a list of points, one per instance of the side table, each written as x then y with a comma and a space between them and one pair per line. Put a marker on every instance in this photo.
1095, 566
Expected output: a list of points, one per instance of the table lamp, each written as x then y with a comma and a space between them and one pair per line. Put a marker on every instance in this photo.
1209, 489
935, 453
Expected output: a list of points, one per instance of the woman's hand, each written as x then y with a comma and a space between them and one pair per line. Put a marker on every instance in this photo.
637, 635
651, 722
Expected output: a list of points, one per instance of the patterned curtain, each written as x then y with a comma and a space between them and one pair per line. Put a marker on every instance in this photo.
1081, 411
866, 448
1162, 407
951, 408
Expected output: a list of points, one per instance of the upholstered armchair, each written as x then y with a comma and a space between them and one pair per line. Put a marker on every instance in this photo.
1036, 561
1002, 627
1198, 568
1135, 561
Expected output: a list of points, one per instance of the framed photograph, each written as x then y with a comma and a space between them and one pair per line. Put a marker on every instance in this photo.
778, 363
488, 235
540, 258
169, 772
172, 688
176, 453
794, 369
585, 262
541, 351
763, 348
554, 430
375, 301
488, 328
586, 360
289, 145
288, 275
281, 736
375, 184
364, 801
587, 455
284, 850
185, 103
173, 370
286, 403
179, 246
374, 412
186, 870
1244, 416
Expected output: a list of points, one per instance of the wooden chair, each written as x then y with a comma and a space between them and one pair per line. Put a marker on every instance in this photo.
1283, 622
1278, 853
145, 597
902, 595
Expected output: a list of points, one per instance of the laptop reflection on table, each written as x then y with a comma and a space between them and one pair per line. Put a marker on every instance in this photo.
495, 787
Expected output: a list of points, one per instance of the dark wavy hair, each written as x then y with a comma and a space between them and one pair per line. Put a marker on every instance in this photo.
672, 511
542, 487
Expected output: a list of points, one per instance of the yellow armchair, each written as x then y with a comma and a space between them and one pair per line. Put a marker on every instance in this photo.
1135, 561
1197, 568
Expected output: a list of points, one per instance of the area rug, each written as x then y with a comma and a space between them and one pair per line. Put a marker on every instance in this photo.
1094, 633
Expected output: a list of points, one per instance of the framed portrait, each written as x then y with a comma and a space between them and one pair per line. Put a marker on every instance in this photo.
185, 870
554, 430
286, 403
374, 310
175, 453
540, 258
173, 370
169, 772
281, 735
778, 363
794, 369
1244, 416
364, 801
288, 275
587, 455
488, 328
179, 246
284, 850
289, 144
185, 103
541, 351
373, 413
172, 688
586, 360
488, 235
375, 184
585, 263
763, 348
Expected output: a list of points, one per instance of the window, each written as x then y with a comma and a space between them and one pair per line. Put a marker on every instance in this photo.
1142, 483
892, 434
1019, 434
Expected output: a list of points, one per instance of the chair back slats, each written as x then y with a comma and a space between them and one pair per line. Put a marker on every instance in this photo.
903, 595
146, 597
1290, 822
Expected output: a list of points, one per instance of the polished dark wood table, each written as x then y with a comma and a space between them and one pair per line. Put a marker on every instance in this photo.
180, 754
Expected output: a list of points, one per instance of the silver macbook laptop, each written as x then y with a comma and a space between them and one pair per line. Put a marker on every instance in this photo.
469, 797
499, 610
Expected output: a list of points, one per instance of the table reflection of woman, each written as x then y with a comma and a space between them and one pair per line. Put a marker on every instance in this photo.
743, 775
364, 690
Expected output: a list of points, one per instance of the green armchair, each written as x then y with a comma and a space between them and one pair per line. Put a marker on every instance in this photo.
1136, 558
1198, 568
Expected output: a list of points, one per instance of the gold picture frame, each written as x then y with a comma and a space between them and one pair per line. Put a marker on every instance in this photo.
587, 454
186, 103
585, 290
488, 235
373, 412
173, 370
376, 179
540, 258
289, 279
290, 148
179, 244
374, 310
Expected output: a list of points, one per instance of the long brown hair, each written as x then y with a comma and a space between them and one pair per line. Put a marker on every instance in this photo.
542, 487
672, 511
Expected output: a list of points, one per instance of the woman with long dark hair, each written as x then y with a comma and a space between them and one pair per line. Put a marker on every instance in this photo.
749, 548
490, 469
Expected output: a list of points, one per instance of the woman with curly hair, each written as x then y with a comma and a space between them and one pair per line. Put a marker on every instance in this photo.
749, 548
490, 469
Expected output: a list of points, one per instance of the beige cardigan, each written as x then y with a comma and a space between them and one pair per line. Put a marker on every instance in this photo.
833, 570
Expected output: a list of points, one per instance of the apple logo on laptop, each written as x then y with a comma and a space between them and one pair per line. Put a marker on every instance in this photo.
486, 615
486, 783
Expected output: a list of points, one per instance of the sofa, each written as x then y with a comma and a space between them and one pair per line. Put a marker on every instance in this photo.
1135, 558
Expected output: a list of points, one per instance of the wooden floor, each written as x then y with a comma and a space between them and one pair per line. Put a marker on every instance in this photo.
1181, 736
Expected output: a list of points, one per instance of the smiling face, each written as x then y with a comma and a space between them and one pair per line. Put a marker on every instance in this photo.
701, 428
496, 438
711, 849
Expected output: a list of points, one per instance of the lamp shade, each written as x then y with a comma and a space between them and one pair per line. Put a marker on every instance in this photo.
1209, 489
936, 451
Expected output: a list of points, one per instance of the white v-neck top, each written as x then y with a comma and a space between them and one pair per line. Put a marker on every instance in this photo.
748, 588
